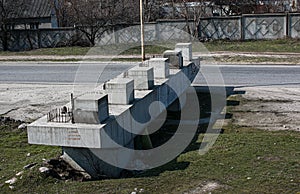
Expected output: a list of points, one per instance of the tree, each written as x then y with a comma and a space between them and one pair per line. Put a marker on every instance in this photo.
95, 17
7, 11
236, 7
190, 11
10, 10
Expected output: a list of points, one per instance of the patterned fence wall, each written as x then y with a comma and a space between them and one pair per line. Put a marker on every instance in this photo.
159, 31
233, 28
264, 26
294, 26
44, 38
220, 28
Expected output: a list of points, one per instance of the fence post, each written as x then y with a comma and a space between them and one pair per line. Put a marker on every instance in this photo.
288, 25
242, 20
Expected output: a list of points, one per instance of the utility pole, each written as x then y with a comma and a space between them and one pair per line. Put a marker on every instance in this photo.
142, 30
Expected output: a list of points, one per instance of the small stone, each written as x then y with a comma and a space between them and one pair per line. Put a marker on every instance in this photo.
19, 173
11, 187
28, 155
44, 169
11, 181
22, 126
29, 166
133, 192
248, 178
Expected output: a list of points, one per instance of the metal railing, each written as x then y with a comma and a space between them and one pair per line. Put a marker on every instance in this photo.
60, 115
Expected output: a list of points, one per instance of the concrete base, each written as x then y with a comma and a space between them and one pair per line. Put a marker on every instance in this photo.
87, 159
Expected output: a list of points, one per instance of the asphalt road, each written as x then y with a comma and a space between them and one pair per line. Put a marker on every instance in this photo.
67, 73
250, 75
233, 75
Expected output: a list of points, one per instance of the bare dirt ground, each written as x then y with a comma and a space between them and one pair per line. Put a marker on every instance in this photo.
268, 108
28, 102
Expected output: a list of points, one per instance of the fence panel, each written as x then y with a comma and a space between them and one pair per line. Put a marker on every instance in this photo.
54, 38
220, 28
294, 25
264, 26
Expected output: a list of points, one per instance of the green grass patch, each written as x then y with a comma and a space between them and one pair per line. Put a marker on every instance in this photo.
121, 49
279, 45
241, 161
61, 51
256, 59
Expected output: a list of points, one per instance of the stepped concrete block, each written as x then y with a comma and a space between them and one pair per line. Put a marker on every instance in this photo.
175, 58
120, 91
186, 49
196, 61
91, 108
160, 66
143, 77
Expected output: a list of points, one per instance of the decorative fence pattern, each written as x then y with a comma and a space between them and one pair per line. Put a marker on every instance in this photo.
294, 26
265, 27
246, 27
220, 28
251, 27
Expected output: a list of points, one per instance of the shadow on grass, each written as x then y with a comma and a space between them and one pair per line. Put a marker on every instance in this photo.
167, 131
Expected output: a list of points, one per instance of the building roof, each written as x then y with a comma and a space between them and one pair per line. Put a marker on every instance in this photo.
32, 9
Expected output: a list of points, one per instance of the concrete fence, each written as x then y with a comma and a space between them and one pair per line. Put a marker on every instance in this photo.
245, 27
251, 27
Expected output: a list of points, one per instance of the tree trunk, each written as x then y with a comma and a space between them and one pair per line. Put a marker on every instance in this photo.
5, 40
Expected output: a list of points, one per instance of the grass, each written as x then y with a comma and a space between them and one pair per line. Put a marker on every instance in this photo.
243, 160
280, 45
257, 59
100, 50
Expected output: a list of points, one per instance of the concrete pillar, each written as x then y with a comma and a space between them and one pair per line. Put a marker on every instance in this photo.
91, 109
143, 77
120, 91
175, 58
186, 49
160, 66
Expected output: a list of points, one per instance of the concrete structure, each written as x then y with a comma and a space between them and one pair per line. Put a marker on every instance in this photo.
143, 77
95, 132
175, 58
91, 109
186, 50
160, 66
120, 91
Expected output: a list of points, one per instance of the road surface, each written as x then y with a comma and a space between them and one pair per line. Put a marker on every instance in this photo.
233, 75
